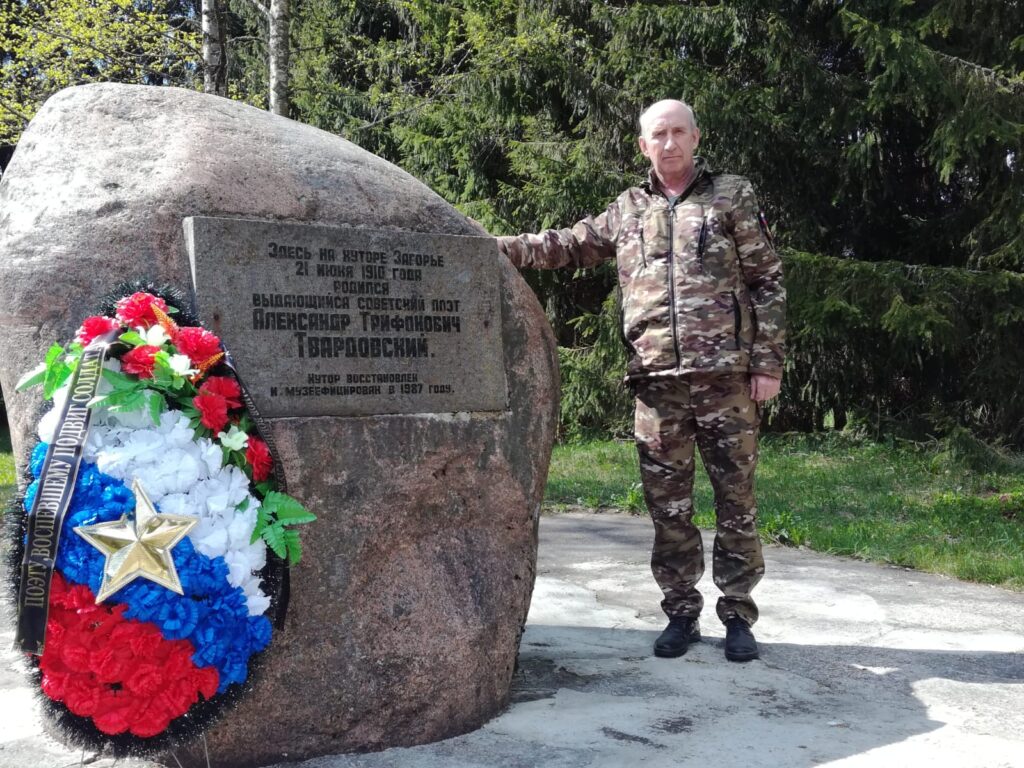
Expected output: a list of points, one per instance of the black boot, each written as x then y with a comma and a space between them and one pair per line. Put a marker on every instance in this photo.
740, 644
680, 632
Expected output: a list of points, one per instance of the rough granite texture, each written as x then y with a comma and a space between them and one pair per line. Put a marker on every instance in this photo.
407, 608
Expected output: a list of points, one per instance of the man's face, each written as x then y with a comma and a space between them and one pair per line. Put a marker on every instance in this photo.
669, 141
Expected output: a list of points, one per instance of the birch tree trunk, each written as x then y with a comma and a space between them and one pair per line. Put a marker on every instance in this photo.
215, 71
280, 20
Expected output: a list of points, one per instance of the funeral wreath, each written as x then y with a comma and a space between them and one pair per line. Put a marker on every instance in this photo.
153, 539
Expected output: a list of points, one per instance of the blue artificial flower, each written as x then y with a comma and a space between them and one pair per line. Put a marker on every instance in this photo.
211, 614
38, 457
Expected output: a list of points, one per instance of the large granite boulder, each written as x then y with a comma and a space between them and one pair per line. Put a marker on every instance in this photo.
408, 605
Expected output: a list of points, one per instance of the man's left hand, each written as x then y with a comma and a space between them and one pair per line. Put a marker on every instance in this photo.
763, 387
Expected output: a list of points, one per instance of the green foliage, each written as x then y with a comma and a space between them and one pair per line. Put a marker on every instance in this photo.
52, 44
911, 350
595, 402
875, 129
277, 512
963, 452
900, 503
898, 349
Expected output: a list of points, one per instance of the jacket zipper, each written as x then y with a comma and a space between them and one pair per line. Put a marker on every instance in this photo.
738, 317
671, 263
702, 240
672, 279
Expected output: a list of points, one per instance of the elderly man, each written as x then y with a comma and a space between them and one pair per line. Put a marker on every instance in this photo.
703, 316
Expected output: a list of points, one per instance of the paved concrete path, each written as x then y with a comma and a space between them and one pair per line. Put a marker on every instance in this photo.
862, 665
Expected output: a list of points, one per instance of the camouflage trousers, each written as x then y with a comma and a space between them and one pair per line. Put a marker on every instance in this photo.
715, 412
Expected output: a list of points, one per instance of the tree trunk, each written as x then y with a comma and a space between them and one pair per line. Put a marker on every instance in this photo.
280, 20
215, 71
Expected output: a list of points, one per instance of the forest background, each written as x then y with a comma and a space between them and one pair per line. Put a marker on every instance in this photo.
885, 137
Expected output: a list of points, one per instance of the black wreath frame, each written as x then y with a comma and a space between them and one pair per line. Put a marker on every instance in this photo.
79, 731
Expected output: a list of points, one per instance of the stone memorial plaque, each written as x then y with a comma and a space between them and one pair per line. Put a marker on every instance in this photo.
344, 321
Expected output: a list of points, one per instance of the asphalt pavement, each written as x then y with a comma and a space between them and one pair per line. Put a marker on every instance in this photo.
861, 665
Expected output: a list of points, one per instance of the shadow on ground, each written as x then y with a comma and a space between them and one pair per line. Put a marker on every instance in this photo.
599, 692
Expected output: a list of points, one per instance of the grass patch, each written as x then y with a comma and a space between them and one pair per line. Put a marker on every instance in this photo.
8, 479
925, 507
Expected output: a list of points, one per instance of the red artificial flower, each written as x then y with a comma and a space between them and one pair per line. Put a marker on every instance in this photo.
206, 679
140, 361
75, 655
70, 596
226, 387
109, 661
259, 458
55, 674
150, 720
198, 343
114, 711
145, 641
155, 681
144, 680
95, 326
213, 410
137, 309
82, 695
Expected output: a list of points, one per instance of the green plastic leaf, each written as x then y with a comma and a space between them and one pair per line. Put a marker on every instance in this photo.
53, 355
274, 536
128, 401
287, 509
32, 378
261, 524
294, 546
133, 338
56, 375
157, 405
120, 380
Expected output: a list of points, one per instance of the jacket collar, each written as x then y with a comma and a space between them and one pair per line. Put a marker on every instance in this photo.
652, 186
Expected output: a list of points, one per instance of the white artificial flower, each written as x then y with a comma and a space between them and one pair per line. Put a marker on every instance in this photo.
134, 419
212, 455
176, 504
213, 541
155, 335
234, 438
183, 475
181, 365
242, 524
258, 603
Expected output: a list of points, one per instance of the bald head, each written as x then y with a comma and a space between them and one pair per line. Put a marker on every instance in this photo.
668, 138
666, 108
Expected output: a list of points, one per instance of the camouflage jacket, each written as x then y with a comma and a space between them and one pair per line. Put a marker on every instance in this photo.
701, 282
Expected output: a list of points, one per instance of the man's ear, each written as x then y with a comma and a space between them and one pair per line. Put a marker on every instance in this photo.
643, 147
696, 137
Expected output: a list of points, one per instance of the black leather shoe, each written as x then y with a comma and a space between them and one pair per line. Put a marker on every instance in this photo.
680, 632
740, 644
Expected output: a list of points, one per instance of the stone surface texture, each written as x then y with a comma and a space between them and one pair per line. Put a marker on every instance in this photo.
408, 606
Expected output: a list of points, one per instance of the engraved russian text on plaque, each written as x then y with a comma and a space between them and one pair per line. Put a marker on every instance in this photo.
342, 321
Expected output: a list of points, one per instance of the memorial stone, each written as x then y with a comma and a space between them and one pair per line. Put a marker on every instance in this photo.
406, 610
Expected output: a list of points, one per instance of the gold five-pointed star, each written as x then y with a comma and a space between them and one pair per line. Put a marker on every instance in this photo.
139, 547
